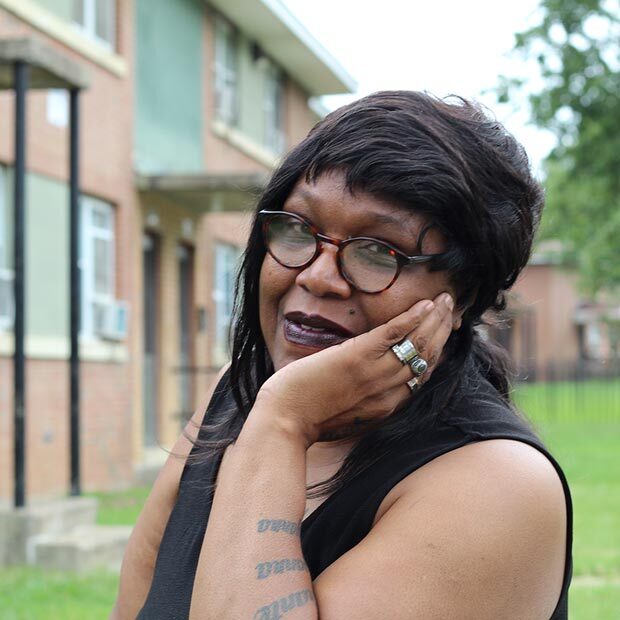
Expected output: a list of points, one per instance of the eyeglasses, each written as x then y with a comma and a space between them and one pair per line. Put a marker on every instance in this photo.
367, 264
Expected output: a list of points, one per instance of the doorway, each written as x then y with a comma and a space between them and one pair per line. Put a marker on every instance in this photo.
187, 331
151, 245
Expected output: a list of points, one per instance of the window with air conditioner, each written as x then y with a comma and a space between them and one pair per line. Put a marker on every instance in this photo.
98, 263
226, 72
6, 271
97, 19
226, 263
273, 96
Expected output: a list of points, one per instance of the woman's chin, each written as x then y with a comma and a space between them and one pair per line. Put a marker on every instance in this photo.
291, 352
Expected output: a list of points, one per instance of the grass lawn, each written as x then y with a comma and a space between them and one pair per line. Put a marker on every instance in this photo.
581, 426
568, 401
121, 508
583, 432
33, 594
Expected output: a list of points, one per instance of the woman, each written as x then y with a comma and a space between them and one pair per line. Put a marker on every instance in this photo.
358, 370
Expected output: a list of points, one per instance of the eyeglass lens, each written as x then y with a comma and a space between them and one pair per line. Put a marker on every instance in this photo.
368, 264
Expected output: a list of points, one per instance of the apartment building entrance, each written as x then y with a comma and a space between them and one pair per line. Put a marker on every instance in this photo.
187, 331
151, 262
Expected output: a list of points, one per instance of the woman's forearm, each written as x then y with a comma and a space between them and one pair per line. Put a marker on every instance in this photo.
251, 563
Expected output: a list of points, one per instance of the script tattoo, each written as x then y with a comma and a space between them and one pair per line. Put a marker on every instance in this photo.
276, 609
278, 525
275, 567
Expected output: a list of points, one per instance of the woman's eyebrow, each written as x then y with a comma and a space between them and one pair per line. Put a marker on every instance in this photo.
374, 217
379, 218
384, 218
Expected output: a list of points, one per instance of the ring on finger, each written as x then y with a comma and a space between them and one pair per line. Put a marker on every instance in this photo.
418, 365
405, 351
412, 384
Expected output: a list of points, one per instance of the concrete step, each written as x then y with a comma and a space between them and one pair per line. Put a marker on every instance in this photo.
153, 460
82, 549
20, 526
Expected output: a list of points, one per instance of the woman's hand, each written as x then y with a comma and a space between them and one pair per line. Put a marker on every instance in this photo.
357, 382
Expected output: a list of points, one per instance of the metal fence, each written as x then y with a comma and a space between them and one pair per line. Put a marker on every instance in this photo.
586, 390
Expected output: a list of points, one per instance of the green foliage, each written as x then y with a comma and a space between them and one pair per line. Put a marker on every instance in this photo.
577, 49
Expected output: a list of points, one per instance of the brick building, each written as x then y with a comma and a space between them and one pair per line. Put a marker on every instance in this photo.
551, 329
190, 105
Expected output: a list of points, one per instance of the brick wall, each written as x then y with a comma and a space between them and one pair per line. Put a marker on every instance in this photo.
106, 172
105, 423
112, 399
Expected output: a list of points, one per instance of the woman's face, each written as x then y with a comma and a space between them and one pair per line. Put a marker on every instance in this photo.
305, 310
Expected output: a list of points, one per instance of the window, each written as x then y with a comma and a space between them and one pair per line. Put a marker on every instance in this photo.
97, 264
6, 273
226, 261
272, 106
58, 107
592, 345
226, 72
97, 18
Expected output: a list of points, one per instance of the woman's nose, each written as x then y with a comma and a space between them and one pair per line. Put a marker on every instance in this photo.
322, 277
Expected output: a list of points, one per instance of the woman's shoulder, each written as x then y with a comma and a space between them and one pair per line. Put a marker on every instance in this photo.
497, 483
507, 465
484, 522
499, 507
493, 473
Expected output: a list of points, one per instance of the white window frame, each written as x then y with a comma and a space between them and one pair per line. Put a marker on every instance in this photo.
226, 80
4, 232
90, 233
88, 25
57, 107
593, 340
7, 274
273, 109
225, 265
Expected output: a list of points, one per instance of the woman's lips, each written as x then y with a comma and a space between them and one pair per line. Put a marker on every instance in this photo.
313, 337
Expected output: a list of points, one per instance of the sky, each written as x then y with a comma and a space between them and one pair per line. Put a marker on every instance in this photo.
441, 46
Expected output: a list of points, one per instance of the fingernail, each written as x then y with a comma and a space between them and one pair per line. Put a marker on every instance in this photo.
447, 299
427, 306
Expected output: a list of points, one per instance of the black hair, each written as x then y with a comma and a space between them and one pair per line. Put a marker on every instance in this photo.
448, 160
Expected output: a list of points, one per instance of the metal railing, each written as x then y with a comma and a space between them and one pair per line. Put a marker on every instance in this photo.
574, 391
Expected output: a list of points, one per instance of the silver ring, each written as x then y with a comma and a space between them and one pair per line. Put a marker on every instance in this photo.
398, 354
405, 351
419, 366
413, 384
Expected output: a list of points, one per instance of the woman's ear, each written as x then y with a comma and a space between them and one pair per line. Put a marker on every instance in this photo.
458, 312
462, 306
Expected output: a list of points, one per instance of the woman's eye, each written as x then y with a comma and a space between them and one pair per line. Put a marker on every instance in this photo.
297, 227
378, 248
373, 253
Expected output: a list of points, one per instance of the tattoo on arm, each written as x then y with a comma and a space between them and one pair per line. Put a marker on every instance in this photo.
278, 525
275, 567
276, 609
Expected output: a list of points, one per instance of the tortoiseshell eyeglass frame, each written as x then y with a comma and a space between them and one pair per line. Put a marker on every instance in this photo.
402, 259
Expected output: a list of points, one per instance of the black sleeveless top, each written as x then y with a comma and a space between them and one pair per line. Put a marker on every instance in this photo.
345, 517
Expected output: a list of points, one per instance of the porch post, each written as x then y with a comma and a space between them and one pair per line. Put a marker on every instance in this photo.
21, 71
75, 288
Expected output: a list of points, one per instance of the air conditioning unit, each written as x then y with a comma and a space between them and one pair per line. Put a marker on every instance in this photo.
7, 309
115, 321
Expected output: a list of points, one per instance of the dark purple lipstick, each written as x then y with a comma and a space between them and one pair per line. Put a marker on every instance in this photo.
313, 330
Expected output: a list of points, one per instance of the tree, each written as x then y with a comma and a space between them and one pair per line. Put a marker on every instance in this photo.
577, 49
